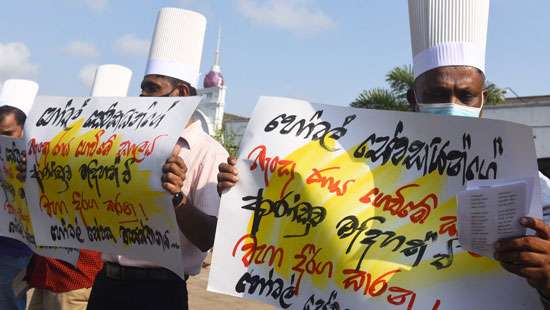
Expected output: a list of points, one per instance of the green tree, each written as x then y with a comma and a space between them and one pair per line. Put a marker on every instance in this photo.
400, 80
380, 99
228, 141
495, 95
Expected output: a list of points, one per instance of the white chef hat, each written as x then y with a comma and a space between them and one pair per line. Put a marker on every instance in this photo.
19, 93
176, 49
448, 33
111, 81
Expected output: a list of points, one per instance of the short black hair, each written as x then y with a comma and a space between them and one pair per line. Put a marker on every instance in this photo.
174, 82
20, 116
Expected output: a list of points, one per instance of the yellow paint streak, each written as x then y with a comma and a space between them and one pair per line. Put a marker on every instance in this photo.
388, 179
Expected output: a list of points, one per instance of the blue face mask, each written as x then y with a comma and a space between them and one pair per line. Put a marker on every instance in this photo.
449, 109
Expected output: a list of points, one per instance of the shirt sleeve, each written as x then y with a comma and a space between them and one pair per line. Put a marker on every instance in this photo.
205, 193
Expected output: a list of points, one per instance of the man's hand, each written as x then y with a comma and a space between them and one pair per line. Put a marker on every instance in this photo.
174, 172
228, 175
529, 256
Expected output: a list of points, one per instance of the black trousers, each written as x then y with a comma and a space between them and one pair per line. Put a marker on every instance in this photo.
108, 293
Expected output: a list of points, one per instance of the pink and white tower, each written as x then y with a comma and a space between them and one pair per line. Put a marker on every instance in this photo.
211, 109
214, 78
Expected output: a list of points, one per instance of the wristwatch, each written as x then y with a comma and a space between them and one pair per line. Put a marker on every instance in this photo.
177, 199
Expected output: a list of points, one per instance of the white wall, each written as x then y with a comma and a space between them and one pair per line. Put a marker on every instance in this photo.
538, 117
212, 108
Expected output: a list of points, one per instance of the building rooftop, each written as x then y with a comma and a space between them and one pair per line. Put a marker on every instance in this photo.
228, 117
522, 102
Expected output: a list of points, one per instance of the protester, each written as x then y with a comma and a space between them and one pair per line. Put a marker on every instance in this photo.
189, 175
448, 42
58, 285
17, 97
449, 66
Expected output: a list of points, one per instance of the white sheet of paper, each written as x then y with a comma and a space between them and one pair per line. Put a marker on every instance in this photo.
490, 213
475, 184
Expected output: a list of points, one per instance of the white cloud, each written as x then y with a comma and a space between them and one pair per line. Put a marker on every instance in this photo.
87, 75
97, 5
81, 49
297, 16
15, 61
132, 45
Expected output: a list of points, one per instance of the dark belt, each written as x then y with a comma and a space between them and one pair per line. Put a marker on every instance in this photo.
118, 272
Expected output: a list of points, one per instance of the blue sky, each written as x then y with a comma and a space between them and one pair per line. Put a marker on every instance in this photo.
324, 51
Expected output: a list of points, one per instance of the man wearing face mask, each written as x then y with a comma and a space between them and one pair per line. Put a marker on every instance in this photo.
189, 175
448, 42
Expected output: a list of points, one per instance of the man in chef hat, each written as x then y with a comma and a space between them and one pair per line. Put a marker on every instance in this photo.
175, 56
189, 175
16, 100
56, 284
448, 42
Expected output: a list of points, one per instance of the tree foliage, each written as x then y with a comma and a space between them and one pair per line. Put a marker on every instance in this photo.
495, 95
228, 140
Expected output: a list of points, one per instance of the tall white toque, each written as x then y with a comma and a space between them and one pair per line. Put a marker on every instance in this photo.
111, 81
448, 33
19, 93
176, 49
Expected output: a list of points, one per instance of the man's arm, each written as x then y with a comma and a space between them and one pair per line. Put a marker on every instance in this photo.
196, 225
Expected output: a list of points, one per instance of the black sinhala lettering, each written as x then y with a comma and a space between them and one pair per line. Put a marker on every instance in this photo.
98, 232
93, 173
429, 156
270, 287
445, 260
61, 117
115, 118
15, 155
368, 235
17, 227
313, 129
144, 234
67, 231
314, 303
300, 212
52, 171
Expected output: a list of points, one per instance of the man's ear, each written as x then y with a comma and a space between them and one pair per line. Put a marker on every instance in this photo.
411, 98
184, 90
484, 103
485, 94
